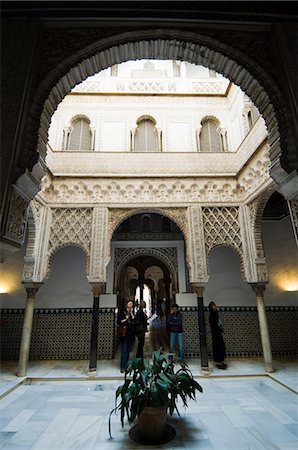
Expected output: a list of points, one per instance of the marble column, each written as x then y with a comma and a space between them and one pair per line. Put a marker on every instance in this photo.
27, 329
199, 290
97, 288
259, 289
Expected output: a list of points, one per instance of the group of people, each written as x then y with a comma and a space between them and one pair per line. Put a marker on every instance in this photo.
136, 325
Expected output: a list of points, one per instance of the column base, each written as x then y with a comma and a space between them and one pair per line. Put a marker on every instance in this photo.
92, 373
205, 371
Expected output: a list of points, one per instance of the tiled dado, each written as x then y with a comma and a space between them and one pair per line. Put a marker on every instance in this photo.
242, 332
58, 333
65, 333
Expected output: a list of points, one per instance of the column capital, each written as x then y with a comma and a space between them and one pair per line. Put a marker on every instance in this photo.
97, 288
258, 288
199, 288
32, 288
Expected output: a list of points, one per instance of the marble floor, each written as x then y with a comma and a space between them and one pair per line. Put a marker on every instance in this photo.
57, 406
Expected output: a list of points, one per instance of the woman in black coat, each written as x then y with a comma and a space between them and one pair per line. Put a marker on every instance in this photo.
141, 327
126, 317
219, 348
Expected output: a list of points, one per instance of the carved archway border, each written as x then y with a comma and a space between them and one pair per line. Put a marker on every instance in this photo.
134, 253
256, 211
118, 215
235, 250
177, 215
164, 44
55, 249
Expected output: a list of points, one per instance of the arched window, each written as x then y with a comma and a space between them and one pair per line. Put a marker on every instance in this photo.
80, 136
146, 137
210, 140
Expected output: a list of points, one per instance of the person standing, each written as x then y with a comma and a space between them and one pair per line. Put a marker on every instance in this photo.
175, 327
141, 327
126, 317
218, 344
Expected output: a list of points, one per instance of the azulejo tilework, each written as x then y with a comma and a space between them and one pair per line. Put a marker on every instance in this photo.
64, 333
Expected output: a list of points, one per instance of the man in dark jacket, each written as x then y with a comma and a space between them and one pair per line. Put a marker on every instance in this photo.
175, 327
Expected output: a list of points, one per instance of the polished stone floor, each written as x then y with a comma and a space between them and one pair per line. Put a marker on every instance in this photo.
59, 407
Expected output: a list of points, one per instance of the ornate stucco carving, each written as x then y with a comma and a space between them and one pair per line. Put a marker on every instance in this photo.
159, 192
32, 237
196, 255
222, 227
99, 253
262, 271
118, 215
166, 254
17, 218
70, 226
248, 244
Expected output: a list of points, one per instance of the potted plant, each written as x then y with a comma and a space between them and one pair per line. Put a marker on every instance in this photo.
150, 389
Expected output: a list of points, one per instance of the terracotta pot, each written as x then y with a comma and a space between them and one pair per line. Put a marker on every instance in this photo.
152, 423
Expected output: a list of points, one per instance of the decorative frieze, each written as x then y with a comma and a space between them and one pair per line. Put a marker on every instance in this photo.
157, 191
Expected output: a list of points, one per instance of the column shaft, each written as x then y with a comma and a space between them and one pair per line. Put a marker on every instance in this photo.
264, 330
202, 329
202, 334
94, 334
26, 334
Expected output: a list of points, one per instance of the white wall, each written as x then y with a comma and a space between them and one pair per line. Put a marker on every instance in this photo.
225, 286
282, 259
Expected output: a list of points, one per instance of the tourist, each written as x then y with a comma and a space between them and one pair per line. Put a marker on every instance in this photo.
219, 348
126, 318
175, 327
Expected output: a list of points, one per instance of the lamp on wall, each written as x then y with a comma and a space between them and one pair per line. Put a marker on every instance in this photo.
291, 287
4, 288
8, 284
287, 281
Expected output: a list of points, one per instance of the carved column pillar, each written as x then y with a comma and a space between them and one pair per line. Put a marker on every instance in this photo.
92, 138
199, 290
159, 139
27, 329
223, 136
133, 136
65, 140
293, 208
259, 289
97, 288
198, 132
